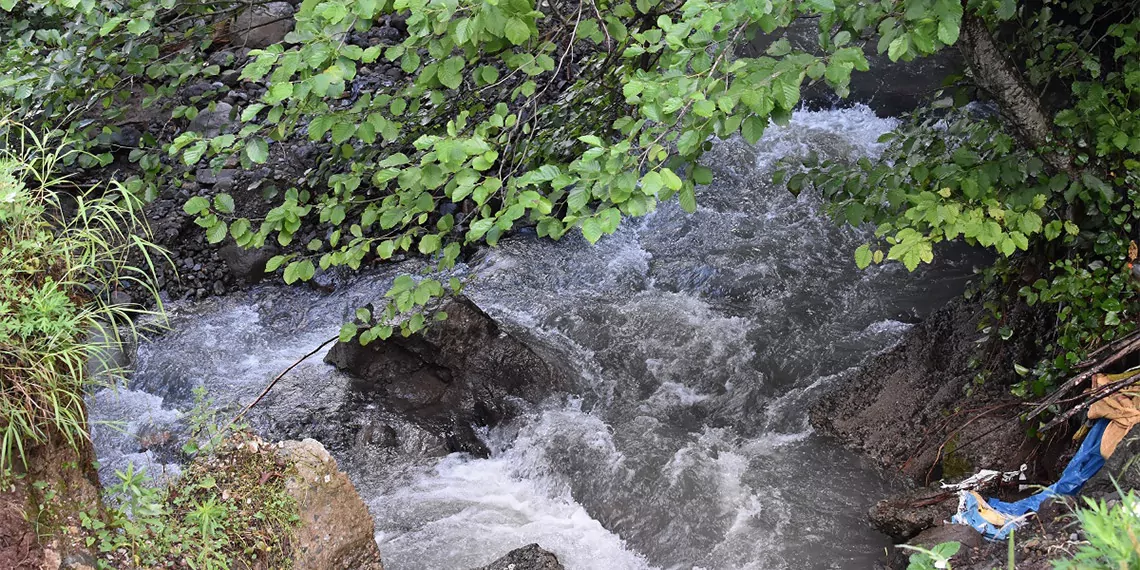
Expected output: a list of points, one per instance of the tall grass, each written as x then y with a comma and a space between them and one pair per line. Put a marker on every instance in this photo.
64, 249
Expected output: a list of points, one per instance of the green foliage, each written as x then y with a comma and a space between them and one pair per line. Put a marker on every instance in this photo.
88, 67
558, 116
61, 257
227, 507
1111, 535
1062, 233
932, 558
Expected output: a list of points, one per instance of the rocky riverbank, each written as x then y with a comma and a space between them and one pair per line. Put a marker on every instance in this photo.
917, 410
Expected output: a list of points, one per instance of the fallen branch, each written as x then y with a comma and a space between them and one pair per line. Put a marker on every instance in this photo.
1129, 348
277, 379
1097, 395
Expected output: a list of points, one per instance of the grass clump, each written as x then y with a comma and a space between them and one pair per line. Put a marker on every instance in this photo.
230, 509
1112, 535
64, 250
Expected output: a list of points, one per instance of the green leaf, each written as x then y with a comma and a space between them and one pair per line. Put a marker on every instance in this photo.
863, 256
257, 150
429, 244
592, 229
517, 31
138, 27
217, 232
194, 153
687, 199
224, 203
702, 175
651, 183
898, 47
450, 73
948, 31
196, 205
753, 128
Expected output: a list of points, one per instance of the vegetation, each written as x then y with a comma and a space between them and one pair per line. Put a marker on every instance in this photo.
229, 508
561, 115
63, 251
1110, 540
567, 115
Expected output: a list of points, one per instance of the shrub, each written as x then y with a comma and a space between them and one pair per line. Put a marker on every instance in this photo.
1112, 535
63, 251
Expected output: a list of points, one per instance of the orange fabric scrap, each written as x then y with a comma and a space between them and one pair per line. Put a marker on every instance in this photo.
1122, 410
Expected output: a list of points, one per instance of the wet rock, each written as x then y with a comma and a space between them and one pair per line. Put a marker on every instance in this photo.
529, 557
205, 176
213, 123
461, 372
336, 532
224, 180
78, 560
906, 515
263, 25
906, 407
893, 88
126, 136
245, 265
964, 535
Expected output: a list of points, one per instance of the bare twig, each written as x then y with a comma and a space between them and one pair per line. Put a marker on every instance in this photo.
277, 379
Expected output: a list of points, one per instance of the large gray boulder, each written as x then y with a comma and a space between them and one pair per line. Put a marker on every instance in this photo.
462, 372
529, 557
262, 25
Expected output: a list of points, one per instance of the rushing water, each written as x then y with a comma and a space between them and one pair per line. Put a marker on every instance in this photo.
697, 343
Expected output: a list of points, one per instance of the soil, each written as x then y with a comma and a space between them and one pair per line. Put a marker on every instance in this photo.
19, 549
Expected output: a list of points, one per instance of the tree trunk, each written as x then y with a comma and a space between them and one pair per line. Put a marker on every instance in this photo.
995, 73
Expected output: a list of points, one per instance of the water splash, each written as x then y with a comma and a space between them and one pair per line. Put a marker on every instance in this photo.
697, 342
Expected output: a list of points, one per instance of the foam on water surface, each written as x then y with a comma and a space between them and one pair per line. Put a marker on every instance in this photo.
696, 343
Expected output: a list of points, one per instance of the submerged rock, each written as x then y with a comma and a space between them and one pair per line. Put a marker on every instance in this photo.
462, 372
335, 532
529, 557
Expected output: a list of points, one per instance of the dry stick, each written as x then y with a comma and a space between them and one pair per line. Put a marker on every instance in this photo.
1098, 395
1089, 359
278, 378
1068, 385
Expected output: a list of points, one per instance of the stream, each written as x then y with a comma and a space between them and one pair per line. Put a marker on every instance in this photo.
696, 344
